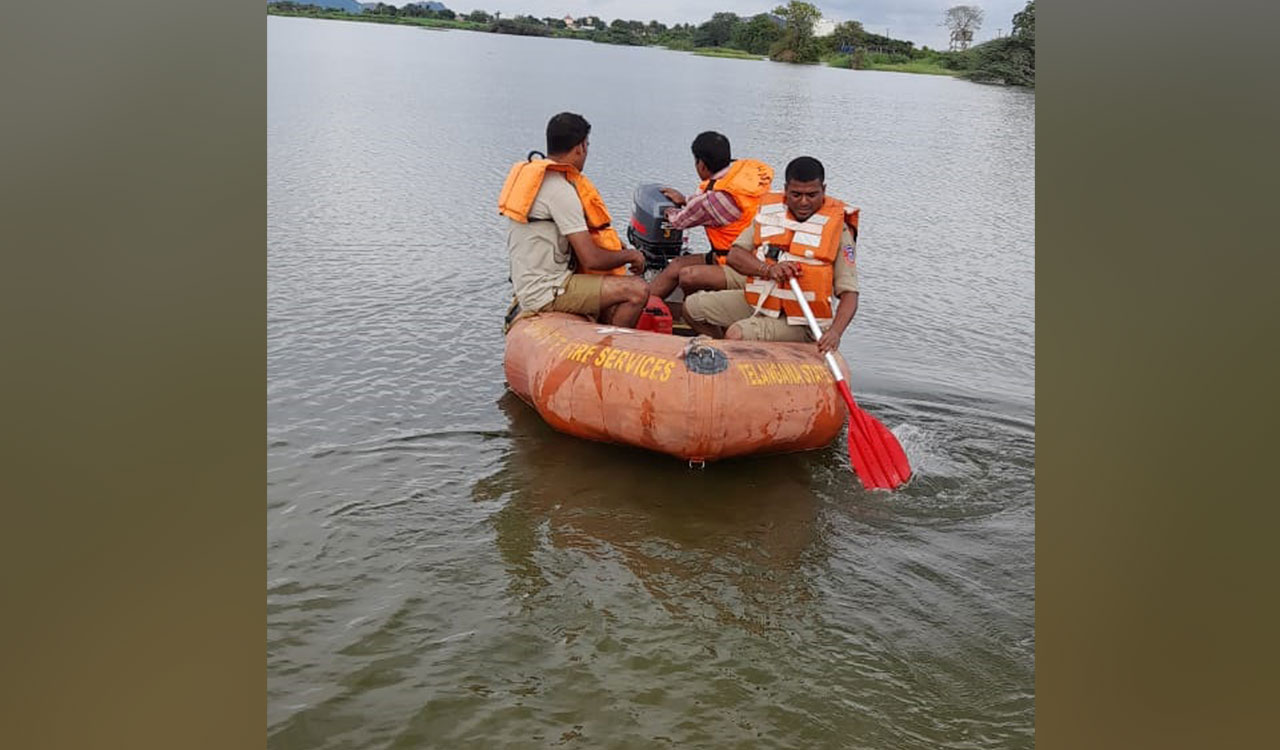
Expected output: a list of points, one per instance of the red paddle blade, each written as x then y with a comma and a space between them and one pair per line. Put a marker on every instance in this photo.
875, 453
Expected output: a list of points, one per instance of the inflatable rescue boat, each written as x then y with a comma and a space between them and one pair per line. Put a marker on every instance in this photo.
694, 398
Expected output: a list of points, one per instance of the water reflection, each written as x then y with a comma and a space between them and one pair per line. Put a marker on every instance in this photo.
730, 542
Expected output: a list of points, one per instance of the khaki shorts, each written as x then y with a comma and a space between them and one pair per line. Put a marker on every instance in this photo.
730, 306
580, 294
733, 279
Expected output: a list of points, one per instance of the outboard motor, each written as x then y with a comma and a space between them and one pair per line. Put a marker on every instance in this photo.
649, 231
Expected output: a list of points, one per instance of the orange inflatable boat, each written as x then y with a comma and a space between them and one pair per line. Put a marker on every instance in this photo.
696, 399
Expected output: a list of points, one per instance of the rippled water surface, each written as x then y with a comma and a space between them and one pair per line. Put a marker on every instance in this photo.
443, 570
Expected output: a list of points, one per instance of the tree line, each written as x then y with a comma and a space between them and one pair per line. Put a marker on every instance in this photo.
785, 35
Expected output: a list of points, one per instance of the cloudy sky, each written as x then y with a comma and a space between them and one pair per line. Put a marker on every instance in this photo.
915, 20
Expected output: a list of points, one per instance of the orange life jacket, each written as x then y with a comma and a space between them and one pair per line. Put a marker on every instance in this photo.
521, 188
747, 181
813, 243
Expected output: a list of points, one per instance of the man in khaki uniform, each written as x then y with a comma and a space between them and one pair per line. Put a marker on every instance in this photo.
549, 251
727, 314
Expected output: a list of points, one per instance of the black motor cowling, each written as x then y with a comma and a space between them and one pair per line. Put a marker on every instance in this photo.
649, 231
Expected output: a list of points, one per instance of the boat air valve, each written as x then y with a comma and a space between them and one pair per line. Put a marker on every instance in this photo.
703, 359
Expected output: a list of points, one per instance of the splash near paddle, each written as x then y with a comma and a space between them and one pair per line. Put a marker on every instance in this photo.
874, 452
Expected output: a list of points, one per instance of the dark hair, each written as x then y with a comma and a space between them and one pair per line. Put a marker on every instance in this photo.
713, 149
566, 130
805, 169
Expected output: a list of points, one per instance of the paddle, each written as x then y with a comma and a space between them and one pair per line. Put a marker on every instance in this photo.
875, 453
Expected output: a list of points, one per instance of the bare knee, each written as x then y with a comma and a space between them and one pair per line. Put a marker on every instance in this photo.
688, 277
734, 332
638, 291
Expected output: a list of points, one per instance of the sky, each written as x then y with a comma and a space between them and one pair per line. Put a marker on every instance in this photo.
917, 21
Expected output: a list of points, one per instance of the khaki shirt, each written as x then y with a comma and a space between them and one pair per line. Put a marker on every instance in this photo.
540, 250
846, 268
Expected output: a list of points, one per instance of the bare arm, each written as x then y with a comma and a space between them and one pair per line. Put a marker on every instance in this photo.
846, 291
592, 257
846, 308
746, 262
710, 209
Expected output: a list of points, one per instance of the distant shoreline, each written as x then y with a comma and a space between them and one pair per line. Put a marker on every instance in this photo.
338, 15
916, 67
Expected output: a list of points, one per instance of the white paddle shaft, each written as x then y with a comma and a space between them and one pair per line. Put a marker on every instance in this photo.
813, 326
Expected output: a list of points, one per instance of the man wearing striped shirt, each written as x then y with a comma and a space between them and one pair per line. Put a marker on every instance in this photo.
725, 204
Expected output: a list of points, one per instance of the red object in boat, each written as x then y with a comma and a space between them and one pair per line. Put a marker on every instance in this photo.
656, 316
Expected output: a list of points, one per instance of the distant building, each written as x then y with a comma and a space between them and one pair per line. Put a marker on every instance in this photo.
568, 22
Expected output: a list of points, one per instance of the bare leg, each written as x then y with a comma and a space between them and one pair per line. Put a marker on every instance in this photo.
665, 282
702, 278
622, 300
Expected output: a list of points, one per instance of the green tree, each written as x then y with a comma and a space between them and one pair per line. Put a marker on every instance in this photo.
520, 25
1024, 24
479, 16
619, 32
757, 35
797, 44
679, 37
1011, 59
718, 31
847, 34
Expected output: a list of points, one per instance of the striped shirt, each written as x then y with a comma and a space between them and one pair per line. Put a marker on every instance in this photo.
713, 208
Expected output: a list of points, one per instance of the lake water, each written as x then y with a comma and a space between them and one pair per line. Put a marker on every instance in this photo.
443, 570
